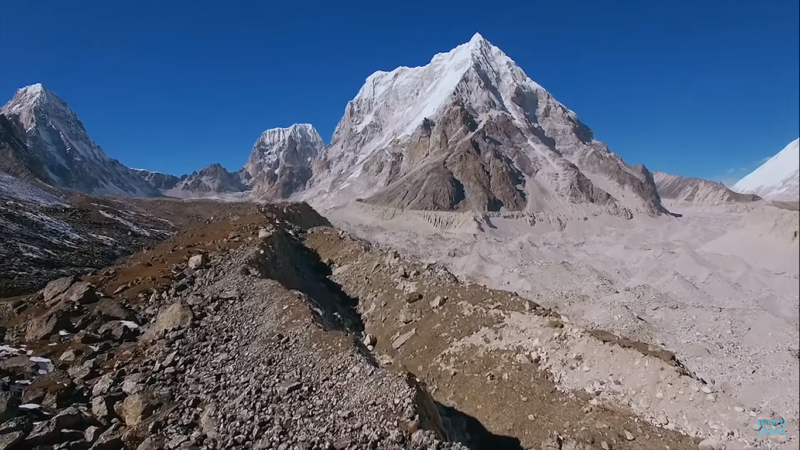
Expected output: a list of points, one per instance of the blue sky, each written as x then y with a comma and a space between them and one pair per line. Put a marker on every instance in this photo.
700, 88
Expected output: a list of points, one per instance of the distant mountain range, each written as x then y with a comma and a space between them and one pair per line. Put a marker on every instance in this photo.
470, 131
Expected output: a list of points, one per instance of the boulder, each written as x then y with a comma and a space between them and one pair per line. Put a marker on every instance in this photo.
119, 330
110, 308
174, 317
45, 325
198, 261
19, 365
81, 293
135, 409
57, 287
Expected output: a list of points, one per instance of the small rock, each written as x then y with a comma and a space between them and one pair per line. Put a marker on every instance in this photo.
403, 338
438, 301
413, 297
102, 408
629, 436
91, 433
174, 317
198, 261
289, 387
709, 444
102, 385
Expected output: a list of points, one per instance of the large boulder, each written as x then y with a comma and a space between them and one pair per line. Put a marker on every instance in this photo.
81, 293
45, 325
174, 317
57, 287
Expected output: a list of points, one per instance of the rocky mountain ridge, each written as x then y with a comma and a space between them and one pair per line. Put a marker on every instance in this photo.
697, 190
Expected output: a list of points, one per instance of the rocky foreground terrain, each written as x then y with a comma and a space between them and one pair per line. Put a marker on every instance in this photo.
270, 329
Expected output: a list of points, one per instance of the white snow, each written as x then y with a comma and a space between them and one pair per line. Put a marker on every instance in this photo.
43, 365
776, 179
127, 223
30, 406
13, 188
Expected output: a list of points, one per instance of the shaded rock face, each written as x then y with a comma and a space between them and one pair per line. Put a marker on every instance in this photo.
58, 150
471, 131
213, 179
15, 157
158, 180
280, 163
698, 191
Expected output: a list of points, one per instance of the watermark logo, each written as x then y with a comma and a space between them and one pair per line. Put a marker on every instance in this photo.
770, 427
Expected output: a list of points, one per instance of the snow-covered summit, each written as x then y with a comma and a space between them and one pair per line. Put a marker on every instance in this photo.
299, 131
280, 163
59, 151
418, 93
776, 179
470, 130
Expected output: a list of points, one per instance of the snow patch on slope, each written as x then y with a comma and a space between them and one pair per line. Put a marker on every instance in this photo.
776, 179
14, 189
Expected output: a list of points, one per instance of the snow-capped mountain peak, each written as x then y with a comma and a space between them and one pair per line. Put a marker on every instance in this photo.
472, 116
59, 150
280, 163
778, 178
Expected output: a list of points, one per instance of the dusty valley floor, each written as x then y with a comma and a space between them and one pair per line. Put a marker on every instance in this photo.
716, 287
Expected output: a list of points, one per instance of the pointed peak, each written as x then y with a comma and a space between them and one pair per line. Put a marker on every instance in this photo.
34, 95
477, 38
32, 91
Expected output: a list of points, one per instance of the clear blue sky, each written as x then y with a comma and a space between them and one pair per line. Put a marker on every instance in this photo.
701, 88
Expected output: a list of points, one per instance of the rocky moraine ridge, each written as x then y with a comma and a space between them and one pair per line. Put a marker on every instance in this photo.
207, 353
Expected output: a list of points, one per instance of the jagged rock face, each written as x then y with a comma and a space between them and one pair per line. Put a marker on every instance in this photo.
778, 178
158, 180
14, 154
698, 191
470, 131
60, 152
280, 163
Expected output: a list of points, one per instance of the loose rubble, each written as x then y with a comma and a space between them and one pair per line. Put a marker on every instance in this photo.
227, 360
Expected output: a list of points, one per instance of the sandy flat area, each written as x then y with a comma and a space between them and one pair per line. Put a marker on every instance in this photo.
717, 286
